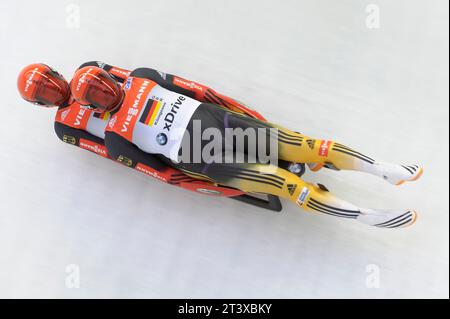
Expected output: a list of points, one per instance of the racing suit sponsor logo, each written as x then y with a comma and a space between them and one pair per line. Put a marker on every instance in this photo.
189, 85
64, 114
324, 147
311, 143
80, 116
82, 79
159, 111
149, 171
161, 138
302, 197
120, 71
93, 147
291, 188
30, 79
134, 109
170, 117
128, 83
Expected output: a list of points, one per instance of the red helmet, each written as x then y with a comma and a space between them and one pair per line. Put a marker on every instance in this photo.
42, 85
94, 87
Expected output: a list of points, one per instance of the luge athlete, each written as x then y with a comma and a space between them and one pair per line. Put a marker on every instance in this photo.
137, 128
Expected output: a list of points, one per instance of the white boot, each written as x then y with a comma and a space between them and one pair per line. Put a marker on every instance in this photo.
397, 174
387, 218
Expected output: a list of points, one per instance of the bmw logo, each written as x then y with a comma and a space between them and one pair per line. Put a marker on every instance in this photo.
161, 138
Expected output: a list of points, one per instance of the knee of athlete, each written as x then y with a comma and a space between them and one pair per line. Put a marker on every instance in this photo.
331, 153
300, 191
314, 150
320, 147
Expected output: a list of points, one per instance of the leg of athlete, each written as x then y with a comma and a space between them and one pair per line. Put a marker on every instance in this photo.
269, 179
296, 147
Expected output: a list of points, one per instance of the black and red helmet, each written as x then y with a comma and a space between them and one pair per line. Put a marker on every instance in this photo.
40, 84
96, 88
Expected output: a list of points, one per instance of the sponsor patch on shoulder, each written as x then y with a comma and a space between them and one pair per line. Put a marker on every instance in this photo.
302, 197
64, 114
127, 85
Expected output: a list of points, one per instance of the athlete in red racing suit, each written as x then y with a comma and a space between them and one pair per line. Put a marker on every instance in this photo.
80, 126
151, 113
153, 116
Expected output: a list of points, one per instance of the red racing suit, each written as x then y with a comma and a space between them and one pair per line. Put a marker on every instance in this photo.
84, 128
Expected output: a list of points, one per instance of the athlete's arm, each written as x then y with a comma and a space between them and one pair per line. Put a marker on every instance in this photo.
192, 89
118, 73
81, 139
122, 150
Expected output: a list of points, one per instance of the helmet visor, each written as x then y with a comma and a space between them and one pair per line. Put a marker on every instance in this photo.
51, 90
103, 92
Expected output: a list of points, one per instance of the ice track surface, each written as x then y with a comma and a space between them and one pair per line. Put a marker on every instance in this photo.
312, 66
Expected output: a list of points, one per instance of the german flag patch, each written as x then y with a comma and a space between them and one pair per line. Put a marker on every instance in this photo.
150, 113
